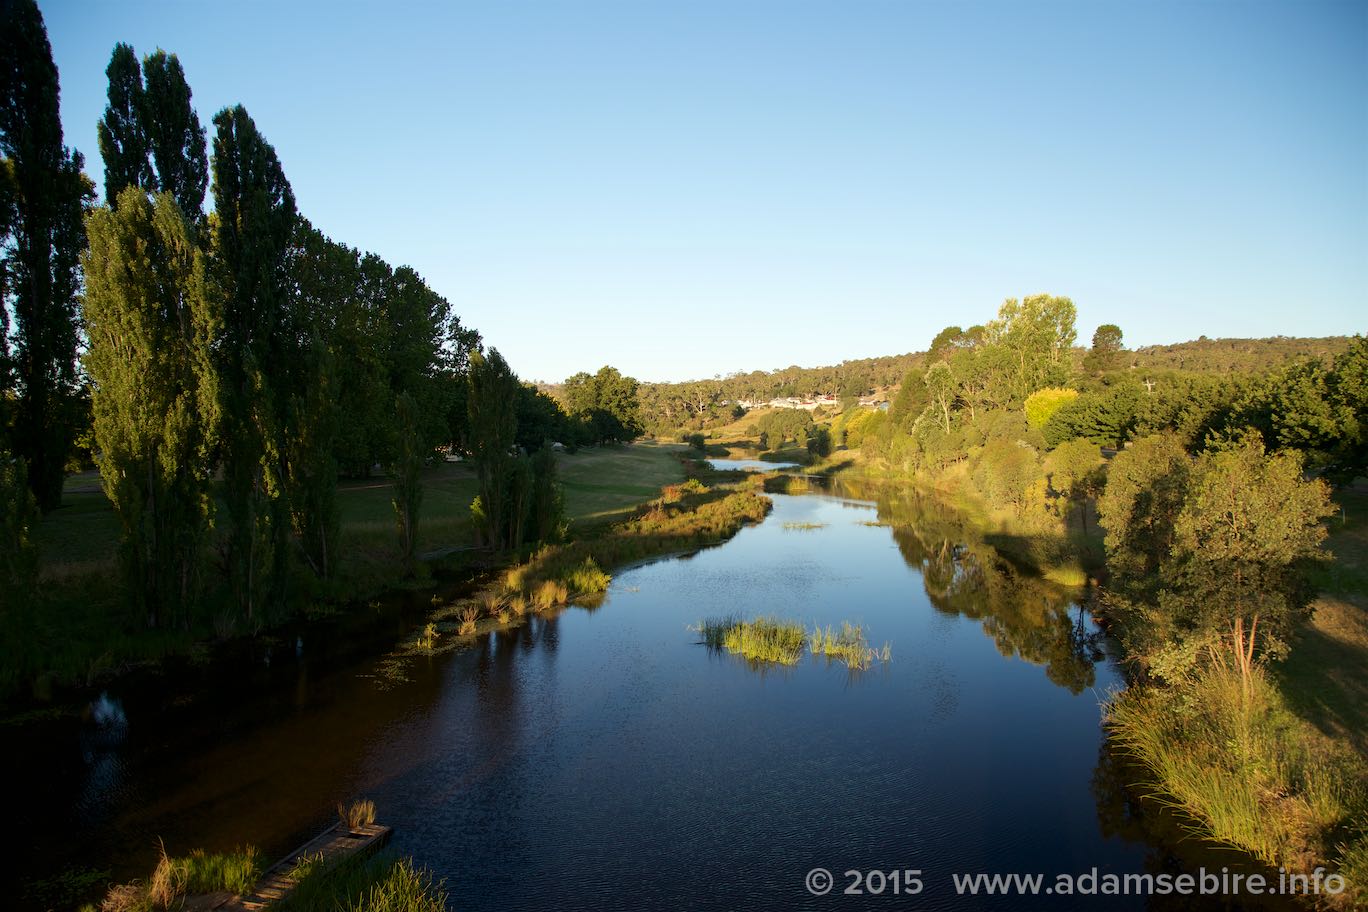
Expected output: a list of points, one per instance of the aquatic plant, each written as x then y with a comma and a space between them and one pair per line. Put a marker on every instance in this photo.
803, 526
550, 593
429, 636
467, 616
764, 639
847, 645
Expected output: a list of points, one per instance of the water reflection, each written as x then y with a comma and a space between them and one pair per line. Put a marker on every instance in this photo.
605, 759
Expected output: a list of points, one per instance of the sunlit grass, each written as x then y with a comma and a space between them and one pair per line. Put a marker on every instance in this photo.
358, 814
847, 645
1256, 776
176, 878
764, 639
803, 526
381, 883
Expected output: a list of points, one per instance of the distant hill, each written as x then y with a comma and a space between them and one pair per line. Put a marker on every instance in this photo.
1205, 355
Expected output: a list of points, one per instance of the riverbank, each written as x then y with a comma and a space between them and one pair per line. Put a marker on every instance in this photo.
81, 634
683, 519
1277, 769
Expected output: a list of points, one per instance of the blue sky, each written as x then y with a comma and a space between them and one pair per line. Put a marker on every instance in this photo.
692, 188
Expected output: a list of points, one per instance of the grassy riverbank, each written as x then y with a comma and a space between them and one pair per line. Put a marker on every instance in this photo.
683, 518
79, 628
1278, 768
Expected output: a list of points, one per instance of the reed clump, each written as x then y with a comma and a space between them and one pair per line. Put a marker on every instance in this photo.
358, 814
848, 645
467, 616
1231, 753
764, 639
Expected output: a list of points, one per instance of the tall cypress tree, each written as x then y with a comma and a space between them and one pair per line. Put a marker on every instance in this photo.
254, 221
41, 248
122, 132
175, 136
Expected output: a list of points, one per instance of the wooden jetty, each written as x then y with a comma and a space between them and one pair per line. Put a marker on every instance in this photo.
334, 844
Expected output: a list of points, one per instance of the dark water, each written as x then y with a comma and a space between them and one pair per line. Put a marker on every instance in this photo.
603, 759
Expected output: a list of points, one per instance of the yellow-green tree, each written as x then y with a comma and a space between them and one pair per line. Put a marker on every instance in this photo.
150, 322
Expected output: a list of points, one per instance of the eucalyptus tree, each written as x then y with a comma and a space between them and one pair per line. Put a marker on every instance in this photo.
46, 194
252, 229
150, 321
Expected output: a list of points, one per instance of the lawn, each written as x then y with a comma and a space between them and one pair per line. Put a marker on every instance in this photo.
1326, 676
83, 626
603, 483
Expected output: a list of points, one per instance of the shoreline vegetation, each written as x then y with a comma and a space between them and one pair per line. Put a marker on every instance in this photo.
356, 881
686, 517
1193, 509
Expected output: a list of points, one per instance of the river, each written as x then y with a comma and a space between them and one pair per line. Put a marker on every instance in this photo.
603, 758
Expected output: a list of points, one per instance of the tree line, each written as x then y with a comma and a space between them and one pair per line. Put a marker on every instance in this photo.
1213, 500
228, 366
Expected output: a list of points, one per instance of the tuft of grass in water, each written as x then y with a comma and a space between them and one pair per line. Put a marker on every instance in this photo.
587, 578
518, 604
847, 645
764, 639
1251, 772
467, 616
549, 594
803, 526
381, 883
429, 637
360, 813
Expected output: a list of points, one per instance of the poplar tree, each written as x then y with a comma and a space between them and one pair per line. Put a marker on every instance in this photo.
41, 247
492, 405
174, 134
150, 323
122, 132
253, 224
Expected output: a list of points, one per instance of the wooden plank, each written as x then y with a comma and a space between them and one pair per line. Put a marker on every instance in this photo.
334, 845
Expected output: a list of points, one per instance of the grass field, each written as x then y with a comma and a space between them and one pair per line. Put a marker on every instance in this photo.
82, 627
1325, 679
604, 483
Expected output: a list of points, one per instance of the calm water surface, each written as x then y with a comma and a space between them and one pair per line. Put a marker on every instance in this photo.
750, 465
604, 759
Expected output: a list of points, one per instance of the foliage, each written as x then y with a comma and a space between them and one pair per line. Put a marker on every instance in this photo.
1042, 405
150, 321
1230, 753
1075, 469
1146, 487
252, 228
408, 487
493, 424
46, 195
1105, 354
605, 404
1029, 344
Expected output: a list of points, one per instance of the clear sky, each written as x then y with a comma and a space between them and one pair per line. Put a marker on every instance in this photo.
690, 188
